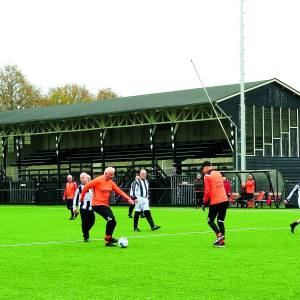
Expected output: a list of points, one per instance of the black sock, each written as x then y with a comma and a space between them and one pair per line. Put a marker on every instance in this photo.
131, 207
110, 227
136, 219
222, 227
148, 216
214, 227
294, 224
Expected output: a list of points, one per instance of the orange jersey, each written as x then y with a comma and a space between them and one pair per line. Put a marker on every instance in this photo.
70, 189
250, 186
214, 189
102, 190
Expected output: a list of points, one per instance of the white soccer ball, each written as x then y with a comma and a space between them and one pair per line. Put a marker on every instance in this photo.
123, 242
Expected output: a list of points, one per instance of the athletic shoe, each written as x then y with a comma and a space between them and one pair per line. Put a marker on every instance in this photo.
86, 240
155, 228
130, 216
76, 214
137, 229
143, 216
72, 218
219, 240
292, 227
220, 245
114, 241
110, 244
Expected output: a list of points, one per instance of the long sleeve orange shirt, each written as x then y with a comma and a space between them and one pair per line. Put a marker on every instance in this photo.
214, 189
70, 190
102, 189
250, 186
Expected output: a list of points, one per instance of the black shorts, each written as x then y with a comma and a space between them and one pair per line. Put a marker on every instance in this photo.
218, 210
104, 211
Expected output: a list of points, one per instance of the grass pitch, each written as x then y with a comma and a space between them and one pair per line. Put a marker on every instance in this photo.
42, 256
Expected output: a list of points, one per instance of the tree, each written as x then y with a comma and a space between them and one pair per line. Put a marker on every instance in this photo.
15, 91
69, 94
106, 94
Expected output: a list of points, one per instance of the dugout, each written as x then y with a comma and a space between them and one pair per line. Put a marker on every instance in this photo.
162, 131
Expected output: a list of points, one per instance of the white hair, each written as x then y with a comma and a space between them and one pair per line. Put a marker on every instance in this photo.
84, 174
109, 170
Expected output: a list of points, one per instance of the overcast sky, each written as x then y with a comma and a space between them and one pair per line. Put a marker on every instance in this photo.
138, 46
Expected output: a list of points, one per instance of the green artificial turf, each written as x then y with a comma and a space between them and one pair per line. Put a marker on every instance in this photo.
261, 259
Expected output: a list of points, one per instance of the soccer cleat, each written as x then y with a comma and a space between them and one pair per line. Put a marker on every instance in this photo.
219, 240
110, 244
137, 229
155, 228
76, 214
143, 216
86, 240
292, 227
130, 216
220, 245
114, 241
72, 218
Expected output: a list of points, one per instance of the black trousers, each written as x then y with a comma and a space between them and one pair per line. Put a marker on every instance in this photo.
70, 206
106, 213
199, 198
218, 210
87, 221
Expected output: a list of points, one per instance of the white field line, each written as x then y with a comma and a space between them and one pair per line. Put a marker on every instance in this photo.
142, 236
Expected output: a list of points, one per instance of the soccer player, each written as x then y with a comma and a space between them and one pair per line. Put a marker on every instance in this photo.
69, 194
102, 187
140, 194
215, 195
131, 207
86, 213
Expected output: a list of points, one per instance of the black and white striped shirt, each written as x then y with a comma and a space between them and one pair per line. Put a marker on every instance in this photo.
87, 201
139, 188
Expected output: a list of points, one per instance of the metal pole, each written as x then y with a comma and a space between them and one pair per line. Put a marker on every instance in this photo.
242, 88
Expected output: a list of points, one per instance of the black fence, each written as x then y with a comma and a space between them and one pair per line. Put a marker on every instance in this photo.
175, 190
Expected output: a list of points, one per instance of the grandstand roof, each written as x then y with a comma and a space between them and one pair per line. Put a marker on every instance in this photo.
156, 101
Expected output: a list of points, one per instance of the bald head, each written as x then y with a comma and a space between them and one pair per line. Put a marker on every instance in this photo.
69, 178
143, 174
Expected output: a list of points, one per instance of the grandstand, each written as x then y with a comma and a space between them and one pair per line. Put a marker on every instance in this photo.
166, 132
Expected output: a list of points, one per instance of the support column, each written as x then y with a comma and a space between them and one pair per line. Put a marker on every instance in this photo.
102, 149
174, 128
57, 146
4, 152
18, 140
152, 148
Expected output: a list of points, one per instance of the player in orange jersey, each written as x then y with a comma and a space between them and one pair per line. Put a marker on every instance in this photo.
69, 194
102, 187
215, 196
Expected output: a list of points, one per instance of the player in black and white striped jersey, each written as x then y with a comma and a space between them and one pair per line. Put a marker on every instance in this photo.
140, 193
86, 212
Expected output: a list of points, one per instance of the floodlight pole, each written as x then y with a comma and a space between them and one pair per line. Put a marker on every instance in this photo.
242, 90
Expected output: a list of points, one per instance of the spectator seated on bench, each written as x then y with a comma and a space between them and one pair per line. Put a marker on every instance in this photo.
241, 201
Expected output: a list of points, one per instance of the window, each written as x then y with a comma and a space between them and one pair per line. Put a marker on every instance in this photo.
276, 147
276, 122
258, 127
249, 131
293, 117
294, 143
267, 125
285, 119
285, 144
